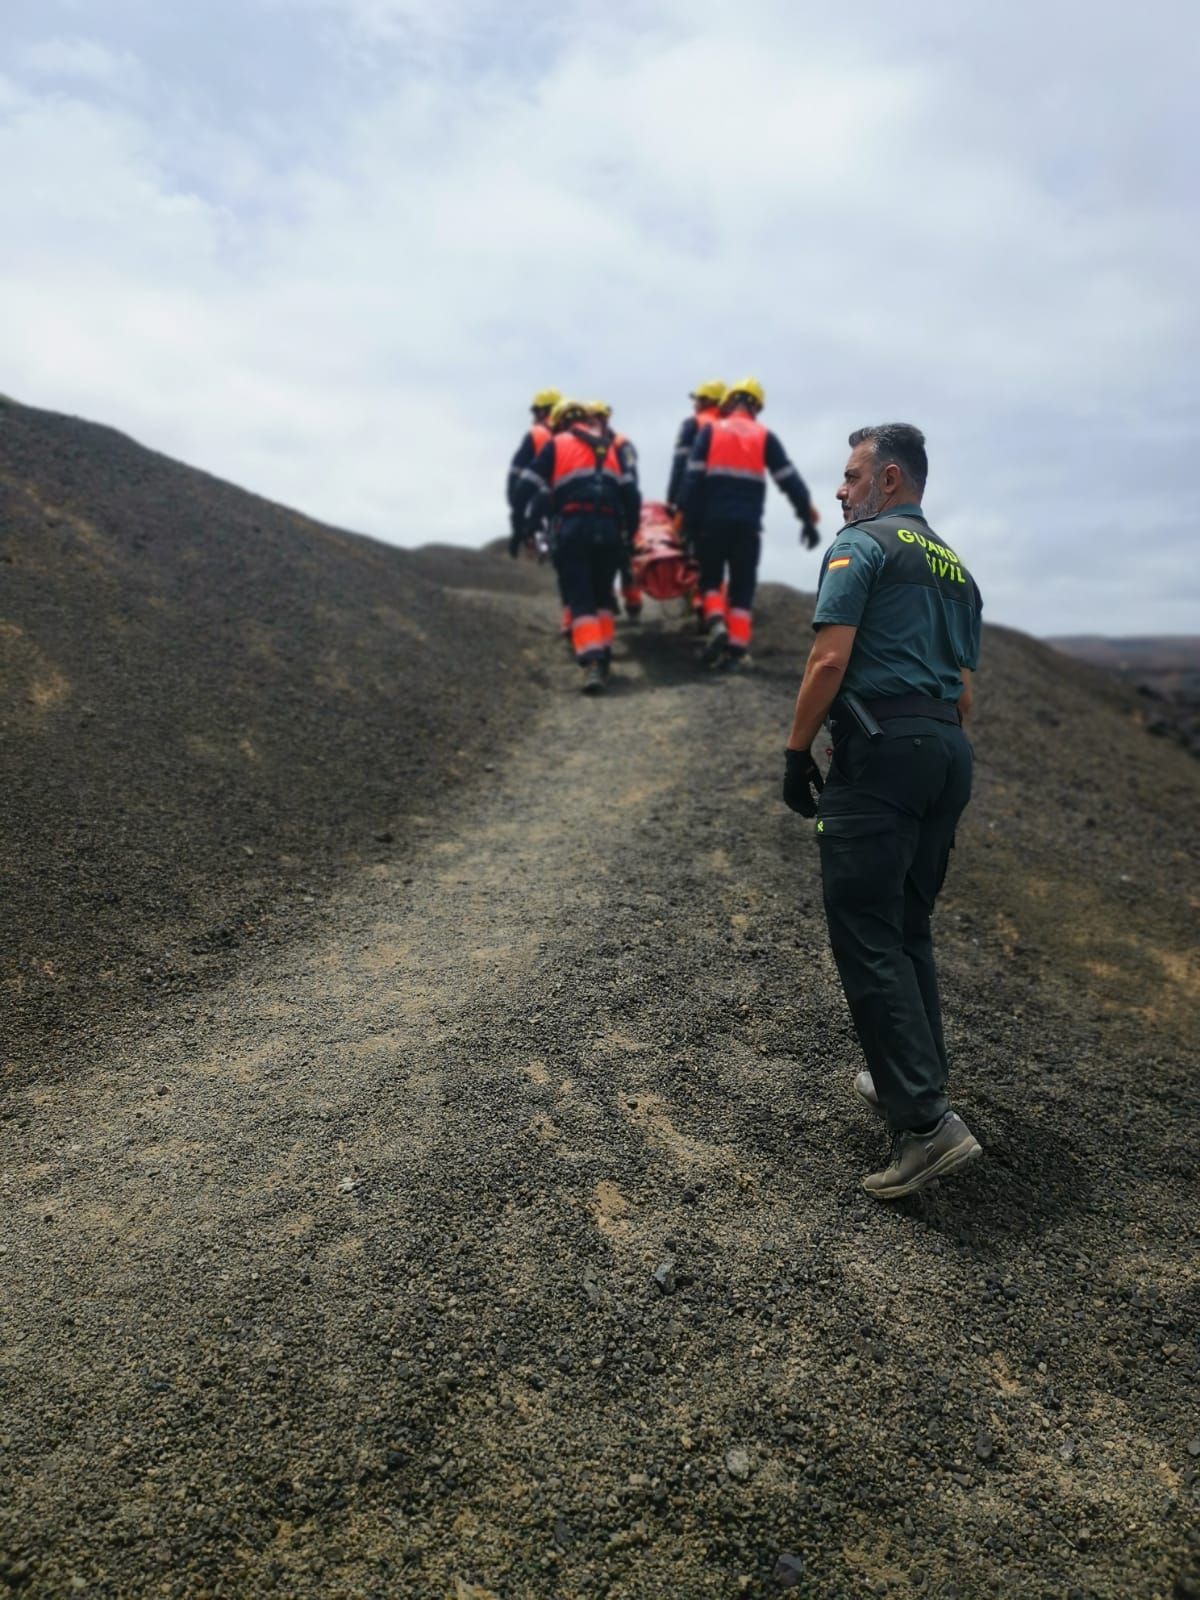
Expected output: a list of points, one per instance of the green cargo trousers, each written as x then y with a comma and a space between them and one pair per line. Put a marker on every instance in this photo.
885, 827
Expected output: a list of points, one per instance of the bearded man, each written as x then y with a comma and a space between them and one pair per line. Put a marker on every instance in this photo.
898, 628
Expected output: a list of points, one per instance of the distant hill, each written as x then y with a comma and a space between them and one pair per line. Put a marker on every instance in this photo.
1166, 652
1164, 669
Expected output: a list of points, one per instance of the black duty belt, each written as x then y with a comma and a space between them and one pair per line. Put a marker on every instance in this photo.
914, 705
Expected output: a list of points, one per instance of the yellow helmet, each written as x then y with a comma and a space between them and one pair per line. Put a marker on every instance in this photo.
545, 400
750, 388
598, 408
712, 389
564, 410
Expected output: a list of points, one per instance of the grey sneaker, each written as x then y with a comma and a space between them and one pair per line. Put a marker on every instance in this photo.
864, 1088
919, 1158
718, 638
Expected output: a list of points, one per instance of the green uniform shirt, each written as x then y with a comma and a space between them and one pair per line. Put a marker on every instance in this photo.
916, 607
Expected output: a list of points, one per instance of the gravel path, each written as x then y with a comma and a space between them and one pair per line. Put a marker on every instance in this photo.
505, 1237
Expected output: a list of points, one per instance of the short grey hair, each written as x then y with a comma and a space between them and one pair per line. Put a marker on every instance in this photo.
897, 444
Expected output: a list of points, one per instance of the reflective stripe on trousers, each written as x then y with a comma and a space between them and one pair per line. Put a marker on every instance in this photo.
740, 627
592, 637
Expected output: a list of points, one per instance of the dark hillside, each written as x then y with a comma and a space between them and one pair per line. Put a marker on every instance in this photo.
1147, 653
207, 702
490, 1222
1165, 671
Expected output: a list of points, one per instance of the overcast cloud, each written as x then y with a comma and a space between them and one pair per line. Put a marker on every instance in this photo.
326, 248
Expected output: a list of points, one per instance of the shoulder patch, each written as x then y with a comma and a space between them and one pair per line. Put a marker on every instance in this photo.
841, 561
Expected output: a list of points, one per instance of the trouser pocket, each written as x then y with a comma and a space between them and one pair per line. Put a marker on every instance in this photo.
864, 857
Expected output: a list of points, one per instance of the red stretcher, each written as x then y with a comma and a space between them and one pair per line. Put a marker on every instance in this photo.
660, 564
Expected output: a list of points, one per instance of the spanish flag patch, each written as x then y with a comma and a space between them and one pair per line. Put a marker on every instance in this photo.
842, 561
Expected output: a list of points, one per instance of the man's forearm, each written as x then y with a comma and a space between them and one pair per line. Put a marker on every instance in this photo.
822, 679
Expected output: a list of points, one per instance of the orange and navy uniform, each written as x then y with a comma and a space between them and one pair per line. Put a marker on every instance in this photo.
627, 456
723, 497
527, 451
535, 440
684, 440
579, 481
573, 476
726, 479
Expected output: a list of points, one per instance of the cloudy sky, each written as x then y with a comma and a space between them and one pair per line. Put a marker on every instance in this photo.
325, 248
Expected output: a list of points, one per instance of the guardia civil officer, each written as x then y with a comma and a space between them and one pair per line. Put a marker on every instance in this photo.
898, 626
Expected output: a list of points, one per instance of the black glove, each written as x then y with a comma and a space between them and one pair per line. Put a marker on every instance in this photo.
809, 537
802, 782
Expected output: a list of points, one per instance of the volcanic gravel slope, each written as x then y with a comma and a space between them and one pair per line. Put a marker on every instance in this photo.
210, 704
502, 1234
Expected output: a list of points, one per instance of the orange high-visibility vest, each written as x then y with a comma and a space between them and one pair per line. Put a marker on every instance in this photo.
541, 436
739, 447
575, 458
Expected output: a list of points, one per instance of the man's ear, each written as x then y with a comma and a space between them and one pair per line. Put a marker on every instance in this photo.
891, 478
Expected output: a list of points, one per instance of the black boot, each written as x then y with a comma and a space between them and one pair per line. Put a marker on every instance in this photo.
717, 642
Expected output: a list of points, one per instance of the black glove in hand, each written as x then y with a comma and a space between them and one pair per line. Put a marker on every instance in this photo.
809, 537
802, 782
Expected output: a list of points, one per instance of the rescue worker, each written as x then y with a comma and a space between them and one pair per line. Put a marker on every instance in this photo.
600, 413
724, 494
706, 400
898, 627
577, 481
534, 440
